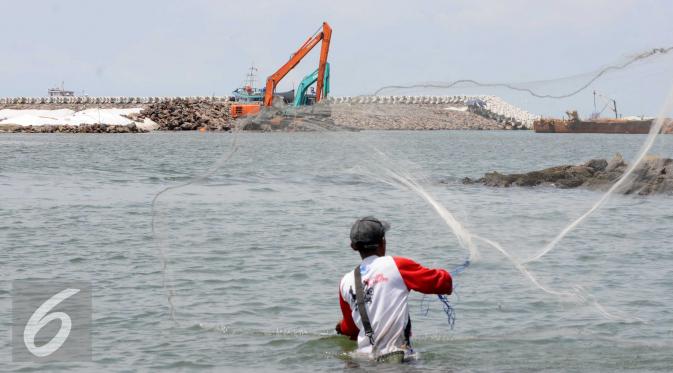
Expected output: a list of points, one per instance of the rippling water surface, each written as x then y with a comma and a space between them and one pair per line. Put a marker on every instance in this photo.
256, 250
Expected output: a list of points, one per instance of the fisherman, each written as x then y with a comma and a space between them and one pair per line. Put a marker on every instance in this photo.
373, 297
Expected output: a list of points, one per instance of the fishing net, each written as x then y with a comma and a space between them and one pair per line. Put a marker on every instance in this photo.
374, 170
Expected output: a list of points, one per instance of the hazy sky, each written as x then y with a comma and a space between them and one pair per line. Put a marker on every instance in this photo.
143, 48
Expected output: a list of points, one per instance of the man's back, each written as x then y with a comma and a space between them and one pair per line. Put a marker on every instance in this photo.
387, 281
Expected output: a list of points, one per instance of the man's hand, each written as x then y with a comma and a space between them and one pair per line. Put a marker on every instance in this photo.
338, 328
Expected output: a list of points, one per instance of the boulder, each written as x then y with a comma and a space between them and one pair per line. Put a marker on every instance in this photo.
597, 164
616, 164
497, 179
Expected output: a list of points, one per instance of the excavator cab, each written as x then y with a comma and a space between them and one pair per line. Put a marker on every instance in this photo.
301, 97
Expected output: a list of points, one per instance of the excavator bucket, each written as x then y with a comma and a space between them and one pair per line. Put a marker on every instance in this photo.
289, 118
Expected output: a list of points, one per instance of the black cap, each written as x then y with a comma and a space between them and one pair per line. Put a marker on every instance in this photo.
368, 232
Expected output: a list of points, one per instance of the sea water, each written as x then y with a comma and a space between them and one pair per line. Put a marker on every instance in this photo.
255, 251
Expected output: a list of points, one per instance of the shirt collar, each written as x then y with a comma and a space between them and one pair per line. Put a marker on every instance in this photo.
366, 262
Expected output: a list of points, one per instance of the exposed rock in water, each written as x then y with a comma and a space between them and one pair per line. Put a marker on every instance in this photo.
653, 176
186, 115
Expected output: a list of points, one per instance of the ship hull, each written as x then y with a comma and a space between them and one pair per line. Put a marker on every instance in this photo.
597, 126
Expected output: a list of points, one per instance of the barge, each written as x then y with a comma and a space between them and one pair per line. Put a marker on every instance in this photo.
599, 125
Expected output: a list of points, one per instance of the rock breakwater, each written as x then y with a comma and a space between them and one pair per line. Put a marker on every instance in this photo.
506, 115
350, 112
375, 116
93, 101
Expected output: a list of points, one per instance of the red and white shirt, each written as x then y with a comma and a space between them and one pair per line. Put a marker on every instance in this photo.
387, 282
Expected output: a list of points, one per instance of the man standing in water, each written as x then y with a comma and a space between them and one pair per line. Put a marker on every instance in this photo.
373, 297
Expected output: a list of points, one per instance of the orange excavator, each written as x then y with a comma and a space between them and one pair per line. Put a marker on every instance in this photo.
322, 35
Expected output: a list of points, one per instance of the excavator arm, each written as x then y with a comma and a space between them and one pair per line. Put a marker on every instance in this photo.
272, 81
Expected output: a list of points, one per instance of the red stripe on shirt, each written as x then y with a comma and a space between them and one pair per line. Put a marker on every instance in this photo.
348, 326
424, 280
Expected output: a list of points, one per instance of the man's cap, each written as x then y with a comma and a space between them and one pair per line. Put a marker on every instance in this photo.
368, 231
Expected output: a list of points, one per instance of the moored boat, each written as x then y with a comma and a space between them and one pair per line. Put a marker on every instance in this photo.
599, 125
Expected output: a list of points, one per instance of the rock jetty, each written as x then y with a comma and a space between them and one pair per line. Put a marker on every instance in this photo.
377, 116
212, 113
653, 176
493, 108
94, 102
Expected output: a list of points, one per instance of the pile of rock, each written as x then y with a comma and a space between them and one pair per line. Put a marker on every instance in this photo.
82, 128
187, 114
653, 176
490, 107
377, 116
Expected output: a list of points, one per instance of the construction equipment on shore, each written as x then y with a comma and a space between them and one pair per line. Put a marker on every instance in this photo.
301, 97
323, 35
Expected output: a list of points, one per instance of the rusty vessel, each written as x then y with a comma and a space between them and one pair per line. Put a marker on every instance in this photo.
600, 125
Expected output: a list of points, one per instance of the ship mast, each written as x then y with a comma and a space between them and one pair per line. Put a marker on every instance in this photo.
251, 77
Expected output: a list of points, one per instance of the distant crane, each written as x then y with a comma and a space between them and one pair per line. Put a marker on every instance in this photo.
607, 101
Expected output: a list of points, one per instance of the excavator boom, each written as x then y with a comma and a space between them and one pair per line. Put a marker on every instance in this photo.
272, 81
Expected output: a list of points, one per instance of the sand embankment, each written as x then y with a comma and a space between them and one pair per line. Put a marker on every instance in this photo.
67, 120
